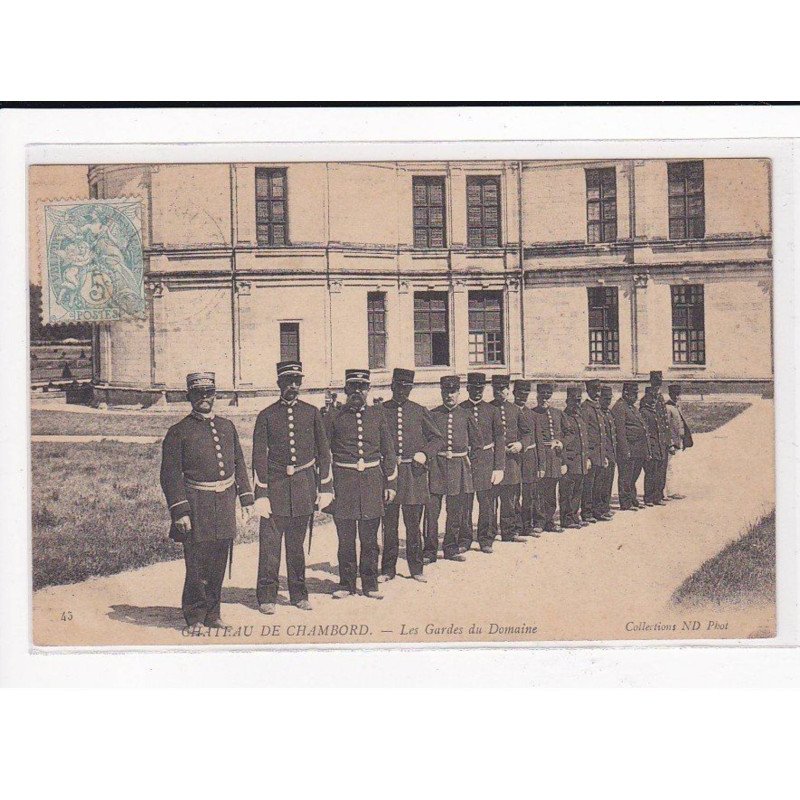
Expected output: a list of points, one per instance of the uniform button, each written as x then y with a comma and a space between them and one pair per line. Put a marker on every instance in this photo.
218, 447
216, 438
222, 473
292, 450
291, 425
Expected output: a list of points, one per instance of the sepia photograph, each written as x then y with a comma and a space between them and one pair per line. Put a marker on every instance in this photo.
353, 402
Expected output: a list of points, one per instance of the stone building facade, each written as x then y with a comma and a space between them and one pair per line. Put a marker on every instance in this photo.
542, 269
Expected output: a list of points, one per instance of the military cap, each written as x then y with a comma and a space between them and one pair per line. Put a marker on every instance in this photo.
201, 380
450, 383
649, 391
476, 379
501, 381
402, 375
656, 373
592, 383
574, 391
544, 387
628, 385
606, 390
360, 375
293, 368
675, 388
522, 386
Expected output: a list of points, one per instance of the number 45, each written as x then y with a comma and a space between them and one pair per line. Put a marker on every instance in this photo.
66, 616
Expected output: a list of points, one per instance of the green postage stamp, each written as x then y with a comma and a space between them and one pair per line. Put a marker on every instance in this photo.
94, 267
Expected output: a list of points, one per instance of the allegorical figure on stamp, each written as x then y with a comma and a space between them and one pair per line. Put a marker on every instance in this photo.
203, 472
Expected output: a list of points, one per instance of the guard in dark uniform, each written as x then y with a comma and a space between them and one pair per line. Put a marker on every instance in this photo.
605, 477
633, 448
549, 447
576, 457
450, 471
598, 446
364, 480
292, 473
488, 464
656, 382
417, 440
202, 474
658, 447
530, 463
516, 434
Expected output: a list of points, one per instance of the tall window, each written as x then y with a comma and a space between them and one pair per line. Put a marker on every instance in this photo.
290, 341
603, 325
431, 330
687, 216
688, 325
483, 212
601, 205
376, 329
486, 344
271, 211
429, 212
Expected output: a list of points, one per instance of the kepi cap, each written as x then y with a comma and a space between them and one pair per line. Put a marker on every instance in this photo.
359, 375
522, 386
294, 368
656, 373
593, 383
606, 390
627, 385
574, 391
400, 375
201, 380
476, 379
501, 381
544, 387
450, 383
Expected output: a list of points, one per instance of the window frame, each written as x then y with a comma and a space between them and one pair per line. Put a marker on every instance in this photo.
476, 348
428, 181
284, 355
429, 331
268, 200
679, 172
482, 181
693, 344
605, 202
608, 333
374, 313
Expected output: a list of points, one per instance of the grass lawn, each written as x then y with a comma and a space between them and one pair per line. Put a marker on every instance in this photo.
743, 572
704, 416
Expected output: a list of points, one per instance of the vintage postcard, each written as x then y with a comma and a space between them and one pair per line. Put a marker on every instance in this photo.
314, 402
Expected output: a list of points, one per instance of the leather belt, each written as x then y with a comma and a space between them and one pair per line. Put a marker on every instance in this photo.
451, 454
360, 465
291, 469
211, 486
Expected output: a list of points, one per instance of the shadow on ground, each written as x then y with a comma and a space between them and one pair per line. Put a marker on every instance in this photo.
151, 616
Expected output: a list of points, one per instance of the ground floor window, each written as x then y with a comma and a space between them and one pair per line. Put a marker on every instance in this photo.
290, 341
431, 329
603, 325
486, 340
688, 324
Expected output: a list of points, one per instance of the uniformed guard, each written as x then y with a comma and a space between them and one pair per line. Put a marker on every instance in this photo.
605, 479
450, 471
530, 463
364, 479
658, 446
417, 440
680, 439
202, 474
516, 434
598, 449
576, 458
633, 447
656, 381
292, 473
549, 447
488, 464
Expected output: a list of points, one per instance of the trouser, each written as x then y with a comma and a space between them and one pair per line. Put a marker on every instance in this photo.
527, 508
546, 501
653, 470
412, 515
587, 493
673, 485
486, 511
350, 566
205, 571
569, 497
507, 496
601, 495
629, 471
454, 510
271, 534
663, 474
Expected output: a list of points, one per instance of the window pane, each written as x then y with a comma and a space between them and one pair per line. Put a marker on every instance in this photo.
490, 193
677, 229
436, 237
610, 232
677, 206
474, 215
436, 217
420, 194
420, 237
609, 211
697, 228
593, 211
594, 232
262, 211
473, 192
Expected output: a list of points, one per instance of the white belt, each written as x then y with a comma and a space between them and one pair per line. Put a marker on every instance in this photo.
530, 447
404, 460
291, 469
451, 454
489, 446
211, 486
360, 465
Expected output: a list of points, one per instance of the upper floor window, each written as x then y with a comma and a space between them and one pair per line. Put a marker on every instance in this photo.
687, 216
271, 210
603, 325
290, 341
688, 324
376, 329
483, 212
486, 328
601, 205
431, 329
429, 227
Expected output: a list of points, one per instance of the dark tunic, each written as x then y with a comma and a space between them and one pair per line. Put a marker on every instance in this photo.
492, 454
360, 438
599, 445
290, 438
202, 473
452, 474
610, 434
632, 442
530, 457
546, 431
663, 426
657, 444
515, 429
576, 443
413, 431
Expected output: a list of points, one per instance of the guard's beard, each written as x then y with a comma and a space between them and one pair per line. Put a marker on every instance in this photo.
356, 400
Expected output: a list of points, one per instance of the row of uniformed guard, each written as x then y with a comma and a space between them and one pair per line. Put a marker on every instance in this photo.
366, 463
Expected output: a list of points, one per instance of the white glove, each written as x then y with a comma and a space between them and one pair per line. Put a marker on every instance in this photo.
497, 476
563, 469
588, 464
514, 447
263, 507
389, 495
324, 499
420, 458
